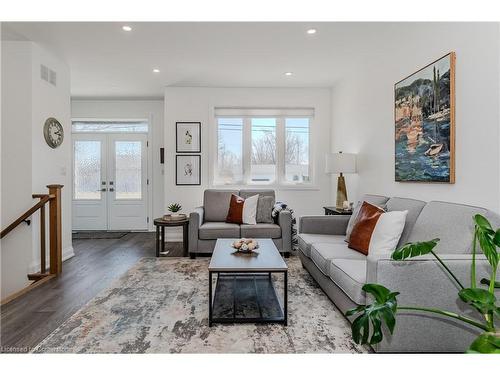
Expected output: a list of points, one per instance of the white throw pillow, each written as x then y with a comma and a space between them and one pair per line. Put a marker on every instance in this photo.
352, 220
387, 232
250, 210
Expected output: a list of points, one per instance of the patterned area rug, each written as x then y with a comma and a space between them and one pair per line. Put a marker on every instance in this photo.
161, 306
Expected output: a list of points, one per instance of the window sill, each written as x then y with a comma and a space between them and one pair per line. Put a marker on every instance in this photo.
308, 187
297, 187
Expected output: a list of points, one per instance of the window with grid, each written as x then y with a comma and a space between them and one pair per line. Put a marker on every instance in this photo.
263, 146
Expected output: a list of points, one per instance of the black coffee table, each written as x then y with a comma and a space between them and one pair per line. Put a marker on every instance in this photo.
244, 288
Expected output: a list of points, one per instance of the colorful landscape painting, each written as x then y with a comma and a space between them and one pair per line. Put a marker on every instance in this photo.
425, 123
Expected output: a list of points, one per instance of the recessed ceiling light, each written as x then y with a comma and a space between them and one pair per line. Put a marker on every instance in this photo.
288, 73
155, 70
311, 31
126, 28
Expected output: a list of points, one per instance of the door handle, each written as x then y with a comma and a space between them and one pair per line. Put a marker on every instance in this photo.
111, 189
103, 189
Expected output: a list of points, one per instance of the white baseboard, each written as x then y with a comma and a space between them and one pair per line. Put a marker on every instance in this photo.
67, 253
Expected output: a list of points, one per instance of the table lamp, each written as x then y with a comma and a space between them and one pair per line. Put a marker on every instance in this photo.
341, 163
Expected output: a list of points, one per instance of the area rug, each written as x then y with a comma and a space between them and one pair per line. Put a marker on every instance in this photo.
161, 306
98, 235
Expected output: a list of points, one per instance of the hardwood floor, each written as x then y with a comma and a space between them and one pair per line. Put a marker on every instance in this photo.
27, 320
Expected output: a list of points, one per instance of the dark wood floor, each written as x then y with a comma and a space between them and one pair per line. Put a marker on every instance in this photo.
26, 321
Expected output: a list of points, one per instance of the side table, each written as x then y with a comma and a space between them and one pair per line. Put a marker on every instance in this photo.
332, 210
160, 224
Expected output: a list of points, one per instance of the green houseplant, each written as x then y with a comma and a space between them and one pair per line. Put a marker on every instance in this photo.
174, 208
367, 327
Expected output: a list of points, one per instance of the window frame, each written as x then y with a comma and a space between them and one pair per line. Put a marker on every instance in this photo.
280, 177
146, 121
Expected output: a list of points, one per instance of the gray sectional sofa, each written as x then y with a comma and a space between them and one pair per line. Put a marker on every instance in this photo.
341, 272
208, 223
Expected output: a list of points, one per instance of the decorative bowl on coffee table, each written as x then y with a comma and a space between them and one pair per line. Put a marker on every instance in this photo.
245, 245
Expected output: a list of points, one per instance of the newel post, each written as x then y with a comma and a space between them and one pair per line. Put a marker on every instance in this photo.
55, 232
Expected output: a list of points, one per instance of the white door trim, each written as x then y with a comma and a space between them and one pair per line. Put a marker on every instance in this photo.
105, 138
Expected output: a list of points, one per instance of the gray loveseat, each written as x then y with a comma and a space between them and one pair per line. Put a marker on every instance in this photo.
208, 223
341, 272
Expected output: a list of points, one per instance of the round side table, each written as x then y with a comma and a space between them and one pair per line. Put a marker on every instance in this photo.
160, 224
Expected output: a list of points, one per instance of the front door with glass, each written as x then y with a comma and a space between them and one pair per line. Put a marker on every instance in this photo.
109, 182
127, 204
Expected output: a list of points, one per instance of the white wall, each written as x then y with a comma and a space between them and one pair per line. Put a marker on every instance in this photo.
28, 163
148, 109
16, 163
51, 166
363, 115
1, 148
196, 104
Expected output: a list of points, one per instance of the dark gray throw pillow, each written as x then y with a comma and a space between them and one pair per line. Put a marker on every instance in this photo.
264, 209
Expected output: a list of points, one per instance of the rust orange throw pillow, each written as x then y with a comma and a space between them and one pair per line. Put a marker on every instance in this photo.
363, 228
235, 213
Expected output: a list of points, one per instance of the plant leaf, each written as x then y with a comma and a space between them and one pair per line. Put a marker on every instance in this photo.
477, 294
486, 343
380, 292
482, 222
377, 335
487, 238
390, 319
174, 207
414, 249
481, 299
355, 310
496, 238
360, 329
372, 316
488, 248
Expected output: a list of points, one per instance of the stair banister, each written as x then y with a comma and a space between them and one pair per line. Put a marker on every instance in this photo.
53, 198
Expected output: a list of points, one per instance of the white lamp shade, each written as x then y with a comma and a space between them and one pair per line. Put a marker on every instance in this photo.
340, 163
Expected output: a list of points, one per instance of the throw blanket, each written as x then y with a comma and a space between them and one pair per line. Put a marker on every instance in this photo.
278, 207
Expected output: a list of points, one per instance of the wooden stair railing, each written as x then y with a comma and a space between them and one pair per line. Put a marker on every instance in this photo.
53, 198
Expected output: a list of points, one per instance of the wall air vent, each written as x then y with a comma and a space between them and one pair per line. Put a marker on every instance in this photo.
48, 75
52, 77
44, 73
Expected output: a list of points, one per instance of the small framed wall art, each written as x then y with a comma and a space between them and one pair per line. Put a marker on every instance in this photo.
188, 169
188, 137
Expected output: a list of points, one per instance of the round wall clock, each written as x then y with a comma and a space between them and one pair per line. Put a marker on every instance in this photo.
53, 132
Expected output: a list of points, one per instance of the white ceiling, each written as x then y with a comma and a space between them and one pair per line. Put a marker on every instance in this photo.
106, 61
